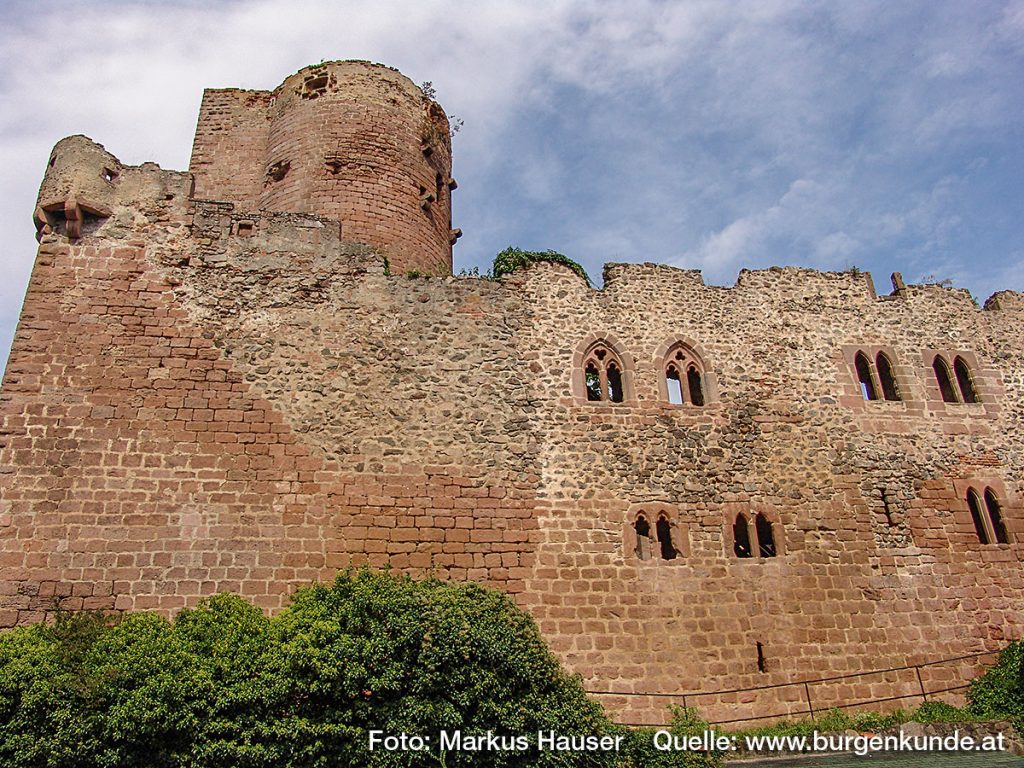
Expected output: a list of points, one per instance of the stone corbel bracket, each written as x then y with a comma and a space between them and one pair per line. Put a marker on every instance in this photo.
72, 212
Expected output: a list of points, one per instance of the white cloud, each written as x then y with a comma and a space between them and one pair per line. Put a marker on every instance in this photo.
750, 132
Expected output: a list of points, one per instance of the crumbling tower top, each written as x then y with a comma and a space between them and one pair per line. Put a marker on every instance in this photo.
352, 141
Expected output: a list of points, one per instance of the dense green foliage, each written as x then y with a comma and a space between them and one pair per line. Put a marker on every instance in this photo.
222, 685
639, 750
511, 259
999, 693
836, 720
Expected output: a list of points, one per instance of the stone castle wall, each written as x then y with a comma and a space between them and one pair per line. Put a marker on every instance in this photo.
205, 396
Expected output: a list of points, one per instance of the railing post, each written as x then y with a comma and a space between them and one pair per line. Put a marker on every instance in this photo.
684, 702
810, 705
924, 694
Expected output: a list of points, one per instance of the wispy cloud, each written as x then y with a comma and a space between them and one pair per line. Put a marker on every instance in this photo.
712, 135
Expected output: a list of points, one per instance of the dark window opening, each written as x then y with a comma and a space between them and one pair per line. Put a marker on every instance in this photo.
867, 384
279, 170
603, 375
593, 382
109, 175
675, 386
245, 228
315, 85
643, 538
668, 551
995, 515
944, 379
887, 378
979, 525
886, 509
765, 536
693, 383
760, 657
684, 378
614, 383
741, 537
963, 379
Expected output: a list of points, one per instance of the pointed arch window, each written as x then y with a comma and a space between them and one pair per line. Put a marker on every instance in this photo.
754, 534
685, 381
603, 374
664, 530
995, 517
964, 381
654, 534
765, 536
974, 503
864, 377
944, 379
890, 390
876, 376
987, 516
741, 536
642, 529
956, 382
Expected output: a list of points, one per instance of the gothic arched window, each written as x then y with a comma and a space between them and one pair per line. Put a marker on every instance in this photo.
755, 535
603, 374
664, 529
890, 391
864, 377
876, 378
765, 536
642, 529
995, 517
964, 380
684, 377
741, 537
987, 517
944, 379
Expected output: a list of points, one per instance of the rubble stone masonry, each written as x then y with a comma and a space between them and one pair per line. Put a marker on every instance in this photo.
216, 385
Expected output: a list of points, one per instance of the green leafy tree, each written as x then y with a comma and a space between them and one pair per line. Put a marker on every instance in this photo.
223, 686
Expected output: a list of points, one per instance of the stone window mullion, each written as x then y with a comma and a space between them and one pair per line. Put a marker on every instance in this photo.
684, 385
755, 544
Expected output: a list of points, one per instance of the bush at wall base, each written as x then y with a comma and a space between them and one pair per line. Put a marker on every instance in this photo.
999, 693
223, 685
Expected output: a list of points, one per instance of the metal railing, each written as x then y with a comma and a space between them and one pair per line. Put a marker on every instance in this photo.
687, 698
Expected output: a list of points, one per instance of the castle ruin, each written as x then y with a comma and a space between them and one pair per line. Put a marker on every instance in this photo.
227, 379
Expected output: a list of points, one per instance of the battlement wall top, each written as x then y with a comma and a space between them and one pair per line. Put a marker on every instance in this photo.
775, 285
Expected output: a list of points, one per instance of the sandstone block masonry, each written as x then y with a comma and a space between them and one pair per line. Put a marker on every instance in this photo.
690, 487
350, 141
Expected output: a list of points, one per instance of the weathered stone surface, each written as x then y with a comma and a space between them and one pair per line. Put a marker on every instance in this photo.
225, 390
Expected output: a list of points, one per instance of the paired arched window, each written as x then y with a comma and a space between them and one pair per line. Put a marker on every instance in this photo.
987, 516
603, 374
657, 541
753, 536
684, 377
956, 385
876, 376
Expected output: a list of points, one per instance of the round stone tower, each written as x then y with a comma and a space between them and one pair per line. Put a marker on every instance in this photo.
347, 140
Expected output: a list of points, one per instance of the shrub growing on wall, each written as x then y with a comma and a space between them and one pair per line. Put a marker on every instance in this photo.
999, 693
511, 259
223, 685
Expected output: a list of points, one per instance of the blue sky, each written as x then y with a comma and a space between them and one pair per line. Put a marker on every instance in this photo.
883, 135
